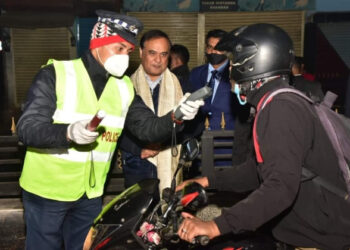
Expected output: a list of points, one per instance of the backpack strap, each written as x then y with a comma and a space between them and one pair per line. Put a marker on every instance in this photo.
330, 130
262, 103
329, 99
308, 175
258, 155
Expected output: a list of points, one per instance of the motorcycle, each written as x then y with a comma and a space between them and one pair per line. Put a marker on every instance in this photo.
138, 219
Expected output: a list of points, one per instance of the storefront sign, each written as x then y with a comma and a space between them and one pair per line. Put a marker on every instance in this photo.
210, 5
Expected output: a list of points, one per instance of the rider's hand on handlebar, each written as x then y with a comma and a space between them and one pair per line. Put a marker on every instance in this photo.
192, 227
200, 180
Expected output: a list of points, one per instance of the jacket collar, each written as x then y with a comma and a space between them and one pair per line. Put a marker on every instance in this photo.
254, 96
181, 70
97, 73
94, 68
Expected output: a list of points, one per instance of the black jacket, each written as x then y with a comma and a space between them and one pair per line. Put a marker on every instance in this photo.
183, 74
128, 141
303, 214
311, 89
35, 127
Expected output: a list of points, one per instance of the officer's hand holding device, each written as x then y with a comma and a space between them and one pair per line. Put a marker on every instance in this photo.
78, 132
190, 103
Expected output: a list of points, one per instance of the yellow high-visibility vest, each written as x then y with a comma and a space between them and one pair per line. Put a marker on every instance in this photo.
66, 174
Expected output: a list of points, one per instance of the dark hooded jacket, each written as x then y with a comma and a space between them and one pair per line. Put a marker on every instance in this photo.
302, 213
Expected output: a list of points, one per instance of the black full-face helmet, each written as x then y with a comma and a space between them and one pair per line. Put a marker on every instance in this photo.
257, 51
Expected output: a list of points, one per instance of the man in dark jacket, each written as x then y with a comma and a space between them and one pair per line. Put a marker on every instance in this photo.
287, 136
312, 89
178, 64
221, 109
215, 73
66, 164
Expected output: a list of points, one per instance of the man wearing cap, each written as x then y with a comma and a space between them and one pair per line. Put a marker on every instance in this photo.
66, 165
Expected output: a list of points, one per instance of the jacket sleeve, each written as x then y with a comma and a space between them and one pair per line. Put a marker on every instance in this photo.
284, 134
35, 127
127, 142
238, 178
143, 124
242, 144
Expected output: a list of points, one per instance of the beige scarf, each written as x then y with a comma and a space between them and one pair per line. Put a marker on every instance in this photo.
170, 93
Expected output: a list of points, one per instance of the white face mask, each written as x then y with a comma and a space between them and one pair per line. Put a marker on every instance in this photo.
116, 65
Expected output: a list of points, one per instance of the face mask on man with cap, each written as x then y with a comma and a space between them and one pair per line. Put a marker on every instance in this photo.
115, 57
112, 40
117, 64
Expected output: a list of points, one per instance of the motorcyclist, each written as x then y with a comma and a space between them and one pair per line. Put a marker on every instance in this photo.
290, 137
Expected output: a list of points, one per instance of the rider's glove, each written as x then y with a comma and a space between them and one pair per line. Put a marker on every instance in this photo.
78, 133
189, 108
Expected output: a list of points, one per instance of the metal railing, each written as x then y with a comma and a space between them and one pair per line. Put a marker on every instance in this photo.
210, 142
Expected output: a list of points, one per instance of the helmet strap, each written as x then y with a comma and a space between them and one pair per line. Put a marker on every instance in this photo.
247, 87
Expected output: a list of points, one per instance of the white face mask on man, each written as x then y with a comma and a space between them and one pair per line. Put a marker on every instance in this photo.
116, 65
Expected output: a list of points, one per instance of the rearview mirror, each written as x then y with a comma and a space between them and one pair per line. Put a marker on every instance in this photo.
190, 149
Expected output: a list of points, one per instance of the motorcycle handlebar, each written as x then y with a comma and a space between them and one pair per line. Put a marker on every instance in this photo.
202, 240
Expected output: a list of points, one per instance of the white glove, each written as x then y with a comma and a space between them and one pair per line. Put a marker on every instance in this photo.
78, 133
189, 108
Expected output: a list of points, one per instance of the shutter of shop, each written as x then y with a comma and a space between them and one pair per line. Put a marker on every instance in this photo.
180, 27
31, 49
291, 21
338, 36
190, 29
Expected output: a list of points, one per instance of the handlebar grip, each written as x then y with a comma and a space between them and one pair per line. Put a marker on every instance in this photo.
202, 240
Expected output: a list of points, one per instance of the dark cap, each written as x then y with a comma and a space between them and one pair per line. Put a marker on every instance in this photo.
111, 25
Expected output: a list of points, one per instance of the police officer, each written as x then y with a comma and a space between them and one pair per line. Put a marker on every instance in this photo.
66, 165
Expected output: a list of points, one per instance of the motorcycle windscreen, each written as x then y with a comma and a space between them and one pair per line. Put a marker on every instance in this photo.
115, 223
